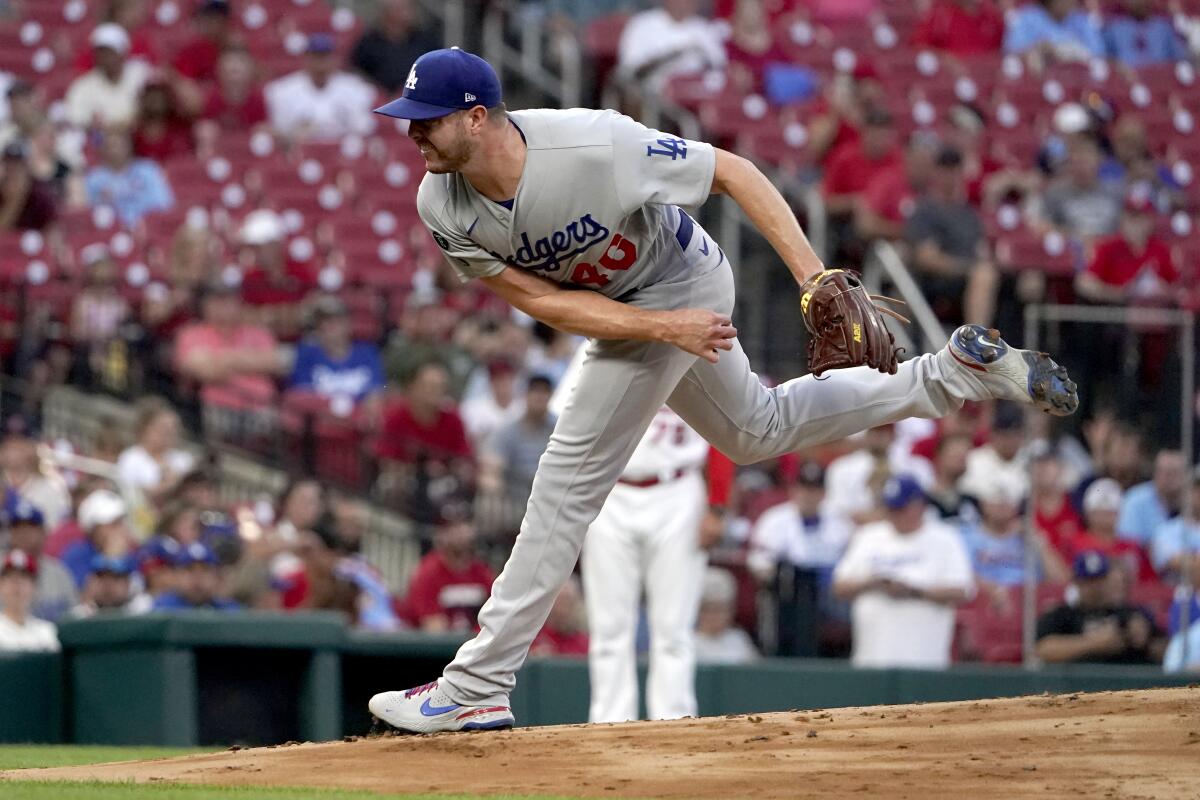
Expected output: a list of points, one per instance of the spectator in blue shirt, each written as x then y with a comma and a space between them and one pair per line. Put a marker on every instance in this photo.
1057, 28
1176, 542
997, 542
331, 364
1138, 38
133, 187
1148, 506
197, 582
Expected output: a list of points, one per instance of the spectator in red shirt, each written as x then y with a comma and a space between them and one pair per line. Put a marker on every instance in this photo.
1101, 507
426, 456
890, 196
425, 422
235, 102
234, 362
1053, 515
197, 58
276, 287
564, 633
751, 46
852, 167
161, 131
451, 583
961, 27
1133, 264
837, 118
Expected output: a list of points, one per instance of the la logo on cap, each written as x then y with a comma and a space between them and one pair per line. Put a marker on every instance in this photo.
411, 83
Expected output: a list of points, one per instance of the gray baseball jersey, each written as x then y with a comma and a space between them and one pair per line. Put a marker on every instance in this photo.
597, 205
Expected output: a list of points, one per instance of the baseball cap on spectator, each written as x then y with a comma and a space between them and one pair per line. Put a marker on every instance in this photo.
865, 70
1103, 495
1139, 203
327, 307
161, 551
1090, 564
442, 82
999, 490
93, 254
719, 586
901, 490
262, 226
812, 474
18, 510
1071, 118
220, 7
878, 118
1008, 416
101, 507
19, 561
113, 565
949, 157
19, 88
321, 44
195, 553
112, 36
500, 366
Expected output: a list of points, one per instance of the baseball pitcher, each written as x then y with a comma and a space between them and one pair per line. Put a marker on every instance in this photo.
576, 218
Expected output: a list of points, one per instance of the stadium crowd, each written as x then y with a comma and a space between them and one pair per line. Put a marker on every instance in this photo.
198, 209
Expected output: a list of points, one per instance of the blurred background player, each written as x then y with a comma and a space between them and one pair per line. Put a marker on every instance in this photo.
652, 535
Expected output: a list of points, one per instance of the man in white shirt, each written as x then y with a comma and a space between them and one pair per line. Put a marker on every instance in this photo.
793, 549
20, 631
999, 459
855, 479
904, 576
320, 102
495, 407
666, 41
107, 94
799, 532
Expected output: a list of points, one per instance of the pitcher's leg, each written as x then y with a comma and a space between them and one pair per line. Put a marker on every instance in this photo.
674, 573
727, 404
612, 587
620, 388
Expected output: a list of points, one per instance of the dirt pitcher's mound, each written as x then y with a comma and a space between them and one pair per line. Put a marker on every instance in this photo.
1114, 744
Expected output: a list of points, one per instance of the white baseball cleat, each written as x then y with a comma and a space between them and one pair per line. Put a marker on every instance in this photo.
1012, 374
427, 709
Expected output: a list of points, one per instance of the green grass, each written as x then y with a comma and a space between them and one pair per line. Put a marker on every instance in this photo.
28, 756
31, 790
22, 756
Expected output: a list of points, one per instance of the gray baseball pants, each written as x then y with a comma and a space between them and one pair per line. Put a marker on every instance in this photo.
621, 386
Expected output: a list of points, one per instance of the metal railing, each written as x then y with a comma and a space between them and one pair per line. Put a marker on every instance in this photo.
1185, 322
551, 64
883, 261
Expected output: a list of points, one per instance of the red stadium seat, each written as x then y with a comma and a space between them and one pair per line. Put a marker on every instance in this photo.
1023, 250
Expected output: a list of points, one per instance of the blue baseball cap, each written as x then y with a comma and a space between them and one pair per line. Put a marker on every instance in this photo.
18, 510
195, 553
442, 82
900, 490
1090, 564
112, 564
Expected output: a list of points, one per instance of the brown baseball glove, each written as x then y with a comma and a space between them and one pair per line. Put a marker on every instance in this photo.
845, 325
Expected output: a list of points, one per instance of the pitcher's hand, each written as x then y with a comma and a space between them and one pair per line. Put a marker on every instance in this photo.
700, 332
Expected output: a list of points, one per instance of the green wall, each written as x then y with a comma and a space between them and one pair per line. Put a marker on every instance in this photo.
196, 679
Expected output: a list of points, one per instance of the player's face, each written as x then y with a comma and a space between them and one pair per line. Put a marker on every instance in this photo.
443, 141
